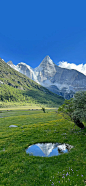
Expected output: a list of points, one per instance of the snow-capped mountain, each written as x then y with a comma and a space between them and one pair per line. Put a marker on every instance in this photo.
62, 81
45, 71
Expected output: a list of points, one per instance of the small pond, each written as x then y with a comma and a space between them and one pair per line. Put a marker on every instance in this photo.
48, 149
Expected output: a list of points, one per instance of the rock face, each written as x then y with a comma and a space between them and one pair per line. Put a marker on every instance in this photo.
64, 82
13, 126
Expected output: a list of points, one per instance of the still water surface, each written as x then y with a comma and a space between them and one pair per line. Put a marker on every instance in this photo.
47, 149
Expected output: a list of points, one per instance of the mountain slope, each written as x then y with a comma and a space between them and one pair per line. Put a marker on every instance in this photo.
15, 86
59, 80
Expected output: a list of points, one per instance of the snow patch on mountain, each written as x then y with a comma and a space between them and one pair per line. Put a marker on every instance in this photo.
24, 64
48, 83
32, 75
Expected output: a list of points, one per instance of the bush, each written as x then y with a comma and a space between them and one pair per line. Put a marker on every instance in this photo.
43, 109
75, 108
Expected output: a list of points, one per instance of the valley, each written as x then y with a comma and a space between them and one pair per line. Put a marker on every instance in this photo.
24, 123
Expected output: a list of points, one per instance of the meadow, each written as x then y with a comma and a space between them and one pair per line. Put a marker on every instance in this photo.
20, 169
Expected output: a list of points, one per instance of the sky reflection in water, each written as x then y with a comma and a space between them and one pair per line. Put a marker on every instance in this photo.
46, 149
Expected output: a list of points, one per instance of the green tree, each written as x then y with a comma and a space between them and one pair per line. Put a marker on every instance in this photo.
43, 109
75, 108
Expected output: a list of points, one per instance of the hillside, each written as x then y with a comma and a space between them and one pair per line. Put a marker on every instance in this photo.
15, 86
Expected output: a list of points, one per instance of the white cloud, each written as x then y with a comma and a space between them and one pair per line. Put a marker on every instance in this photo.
81, 68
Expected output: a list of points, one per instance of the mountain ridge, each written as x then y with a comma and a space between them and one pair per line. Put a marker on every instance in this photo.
48, 74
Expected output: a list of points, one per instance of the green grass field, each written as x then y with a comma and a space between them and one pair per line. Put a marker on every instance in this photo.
24, 106
19, 169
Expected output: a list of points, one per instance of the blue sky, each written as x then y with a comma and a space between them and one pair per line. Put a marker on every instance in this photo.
32, 29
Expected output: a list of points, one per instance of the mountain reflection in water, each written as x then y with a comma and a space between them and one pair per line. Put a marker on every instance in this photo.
47, 149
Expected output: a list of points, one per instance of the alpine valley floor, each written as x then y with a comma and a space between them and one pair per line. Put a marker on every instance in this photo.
34, 126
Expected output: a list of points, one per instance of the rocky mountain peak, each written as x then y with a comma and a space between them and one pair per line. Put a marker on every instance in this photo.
47, 60
46, 64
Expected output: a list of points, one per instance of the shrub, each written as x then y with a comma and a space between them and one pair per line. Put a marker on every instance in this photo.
75, 108
43, 109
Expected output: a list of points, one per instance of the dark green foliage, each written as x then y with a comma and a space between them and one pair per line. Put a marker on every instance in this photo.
76, 108
18, 87
43, 109
67, 107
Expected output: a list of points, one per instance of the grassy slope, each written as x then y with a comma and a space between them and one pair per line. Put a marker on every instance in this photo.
18, 168
17, 87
